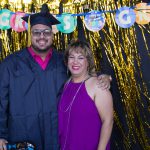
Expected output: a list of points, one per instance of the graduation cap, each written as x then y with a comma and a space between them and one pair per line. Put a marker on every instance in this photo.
43, 17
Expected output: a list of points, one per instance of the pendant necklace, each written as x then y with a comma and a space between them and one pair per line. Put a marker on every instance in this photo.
71, 103
70, 106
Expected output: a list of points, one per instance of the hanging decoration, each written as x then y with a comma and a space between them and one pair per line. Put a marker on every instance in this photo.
142, 11
17, 23
5, 16
94, 21
125, 17
68, 23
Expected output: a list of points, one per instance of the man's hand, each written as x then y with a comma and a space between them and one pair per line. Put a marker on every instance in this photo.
3, 143
104, 81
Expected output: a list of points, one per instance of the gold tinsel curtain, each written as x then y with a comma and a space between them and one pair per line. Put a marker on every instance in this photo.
121, 48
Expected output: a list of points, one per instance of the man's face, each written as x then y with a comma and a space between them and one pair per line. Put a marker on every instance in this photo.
41, 38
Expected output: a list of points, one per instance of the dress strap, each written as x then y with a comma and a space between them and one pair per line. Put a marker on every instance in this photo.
87, 78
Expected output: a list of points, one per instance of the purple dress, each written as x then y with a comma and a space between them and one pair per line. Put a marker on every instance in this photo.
79, 121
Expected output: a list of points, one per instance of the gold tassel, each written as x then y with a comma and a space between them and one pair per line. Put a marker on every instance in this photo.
29, 32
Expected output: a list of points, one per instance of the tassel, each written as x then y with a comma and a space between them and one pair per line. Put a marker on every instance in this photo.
29, 32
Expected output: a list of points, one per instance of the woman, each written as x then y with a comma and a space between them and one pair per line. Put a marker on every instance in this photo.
85, 110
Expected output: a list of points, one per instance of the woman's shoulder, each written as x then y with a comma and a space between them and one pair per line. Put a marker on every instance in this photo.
93, 81
94, 84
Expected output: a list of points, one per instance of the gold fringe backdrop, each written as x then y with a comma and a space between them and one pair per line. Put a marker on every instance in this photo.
118, 42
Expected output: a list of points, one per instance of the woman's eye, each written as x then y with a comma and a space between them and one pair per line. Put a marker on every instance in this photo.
81, 58
70, 57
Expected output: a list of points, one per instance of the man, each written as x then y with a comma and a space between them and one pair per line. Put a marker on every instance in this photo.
30, 81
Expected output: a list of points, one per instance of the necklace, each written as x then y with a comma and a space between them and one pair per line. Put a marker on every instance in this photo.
74, 97
69, 107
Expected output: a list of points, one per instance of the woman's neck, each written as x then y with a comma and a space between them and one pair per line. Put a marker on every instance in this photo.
78, 79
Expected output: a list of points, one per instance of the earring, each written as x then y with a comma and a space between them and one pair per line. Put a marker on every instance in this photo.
67, 71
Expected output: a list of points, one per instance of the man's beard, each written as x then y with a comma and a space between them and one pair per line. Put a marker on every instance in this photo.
41, 50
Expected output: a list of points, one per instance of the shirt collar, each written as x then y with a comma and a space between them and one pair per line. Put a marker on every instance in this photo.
34, 55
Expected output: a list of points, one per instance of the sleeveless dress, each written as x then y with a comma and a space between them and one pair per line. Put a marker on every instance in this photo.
78, 118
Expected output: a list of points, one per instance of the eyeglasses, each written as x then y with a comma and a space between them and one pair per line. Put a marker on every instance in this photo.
37, 32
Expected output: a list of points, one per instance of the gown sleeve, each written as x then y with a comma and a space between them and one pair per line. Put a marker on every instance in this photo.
4, 96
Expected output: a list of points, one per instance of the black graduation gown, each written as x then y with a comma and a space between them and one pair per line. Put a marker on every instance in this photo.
28, 99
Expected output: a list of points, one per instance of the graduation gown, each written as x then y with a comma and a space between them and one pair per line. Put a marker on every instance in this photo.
28, 99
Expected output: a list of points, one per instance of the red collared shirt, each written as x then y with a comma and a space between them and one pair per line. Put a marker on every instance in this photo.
39, 60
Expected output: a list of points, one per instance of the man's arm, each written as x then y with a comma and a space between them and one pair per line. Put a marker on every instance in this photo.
4, 95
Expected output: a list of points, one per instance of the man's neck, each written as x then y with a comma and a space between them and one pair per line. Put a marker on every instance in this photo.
42, 54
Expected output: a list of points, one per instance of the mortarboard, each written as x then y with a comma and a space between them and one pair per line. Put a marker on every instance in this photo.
43, 17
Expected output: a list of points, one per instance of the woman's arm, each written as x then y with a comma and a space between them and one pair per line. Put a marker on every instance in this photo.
104, 104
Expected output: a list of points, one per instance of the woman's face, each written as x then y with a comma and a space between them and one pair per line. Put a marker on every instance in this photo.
77, 64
